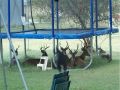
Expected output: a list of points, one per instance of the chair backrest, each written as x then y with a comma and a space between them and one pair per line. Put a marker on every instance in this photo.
61, 74
62, 86
45, 58
59, 78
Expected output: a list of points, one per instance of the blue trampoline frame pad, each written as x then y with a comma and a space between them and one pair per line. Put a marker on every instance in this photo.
63, 34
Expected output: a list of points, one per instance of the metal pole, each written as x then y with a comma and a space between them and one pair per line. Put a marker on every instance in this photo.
12, 47
110, 20
53, 33
23, 28
91, 17
9, 26
57, 19
31, 12
52, 11
96, 16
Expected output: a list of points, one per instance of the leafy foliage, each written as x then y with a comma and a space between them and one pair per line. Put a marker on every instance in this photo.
76, 10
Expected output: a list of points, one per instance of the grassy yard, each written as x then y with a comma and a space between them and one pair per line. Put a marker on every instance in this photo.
100, 76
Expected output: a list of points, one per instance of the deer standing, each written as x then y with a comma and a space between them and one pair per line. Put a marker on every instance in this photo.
62, 58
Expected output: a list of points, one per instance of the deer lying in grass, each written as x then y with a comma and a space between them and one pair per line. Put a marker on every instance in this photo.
13, 61
104, 54
62, 58
79, 60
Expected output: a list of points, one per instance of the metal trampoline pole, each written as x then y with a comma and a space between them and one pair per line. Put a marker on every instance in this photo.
57, 19
9, 26
10, 42
96, 17
23, 28
53, 28
110, 21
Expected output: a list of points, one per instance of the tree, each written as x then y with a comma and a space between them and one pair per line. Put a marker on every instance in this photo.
79, 10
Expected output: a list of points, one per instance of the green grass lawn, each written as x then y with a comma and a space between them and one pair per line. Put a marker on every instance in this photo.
100, 76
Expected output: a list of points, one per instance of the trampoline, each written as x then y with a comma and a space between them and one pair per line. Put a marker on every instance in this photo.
14, 18
15, 13
62, 34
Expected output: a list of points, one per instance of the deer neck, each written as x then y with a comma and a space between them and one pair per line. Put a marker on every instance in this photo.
44, 54
82, 56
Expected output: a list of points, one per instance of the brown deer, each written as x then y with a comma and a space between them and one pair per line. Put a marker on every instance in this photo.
62, 58
79, 60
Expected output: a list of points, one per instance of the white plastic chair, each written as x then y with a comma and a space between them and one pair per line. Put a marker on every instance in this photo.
44, 65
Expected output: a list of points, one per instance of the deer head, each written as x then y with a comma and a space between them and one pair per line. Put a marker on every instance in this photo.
16, 50
101, 51
85, 51
86, 48
62, 57
73, 53
43, 50
64, 49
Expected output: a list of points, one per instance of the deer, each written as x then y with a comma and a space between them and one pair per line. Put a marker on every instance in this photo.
43, 51
13, 61
100, 50
80, 59
34, 61
104, 54
62, 58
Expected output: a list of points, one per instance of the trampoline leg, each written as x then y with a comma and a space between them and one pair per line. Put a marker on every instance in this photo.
110, 46
25, 48
96, 41
54, 53
10, 58
3, 67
